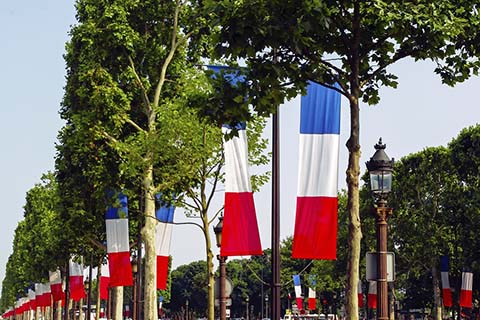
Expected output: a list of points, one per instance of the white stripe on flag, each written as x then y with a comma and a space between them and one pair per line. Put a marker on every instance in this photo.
46, 288
318, 165
38, 289
311, 293
163, 236
445, 281
298, 291
467, 279
76, 269
372, 287
117, 235
237, 177
104, 271
55, 277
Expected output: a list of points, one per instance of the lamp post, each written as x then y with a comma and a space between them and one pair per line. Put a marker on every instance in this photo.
134, 271
266, 306
223, 269
380, 168
247, 315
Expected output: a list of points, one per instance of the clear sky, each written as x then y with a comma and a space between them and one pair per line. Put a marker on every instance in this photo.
420, 113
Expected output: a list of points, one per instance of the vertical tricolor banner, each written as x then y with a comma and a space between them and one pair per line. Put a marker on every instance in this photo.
76, 287
32, 298
46, 295
312, 296
372, 295
55, 278
38, 295
315, 234
163, 238
360, 294
240, 234
466, 291
446, 290
298, 291
118, 248
104, 281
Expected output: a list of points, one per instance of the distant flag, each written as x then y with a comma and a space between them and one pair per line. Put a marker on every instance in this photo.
446, 290
163, 237
360, 294
76, 287
315, 234
312, 297
118, 248
38, 295
372, 295
104, 281
31, 297
298, 291
55, 278
240, 235
46, 295
466, 291
126, 311
102, 312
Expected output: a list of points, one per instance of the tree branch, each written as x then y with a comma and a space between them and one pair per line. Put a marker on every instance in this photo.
140, 83
135, 125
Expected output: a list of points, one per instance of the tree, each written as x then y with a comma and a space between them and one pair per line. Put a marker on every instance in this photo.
347, 46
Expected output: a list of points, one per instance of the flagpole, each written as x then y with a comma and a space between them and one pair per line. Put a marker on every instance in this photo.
275, 305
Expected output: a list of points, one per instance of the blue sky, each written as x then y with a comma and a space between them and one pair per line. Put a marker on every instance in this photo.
420, 113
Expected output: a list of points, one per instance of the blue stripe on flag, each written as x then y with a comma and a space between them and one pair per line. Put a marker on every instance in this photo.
296, 279
238, 126
320, 110
444, 264
166, 211
118, 212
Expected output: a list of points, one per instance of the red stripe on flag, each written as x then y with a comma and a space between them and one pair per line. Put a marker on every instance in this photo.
315, 235
104, 284
372, 301
57, 292
240, 236
447, 297
312, 303
77, 290
120, 269
360, 300
162, 272
299, 303
466, 298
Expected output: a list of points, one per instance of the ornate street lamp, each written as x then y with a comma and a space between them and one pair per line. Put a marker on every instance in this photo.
223, 270
380, 168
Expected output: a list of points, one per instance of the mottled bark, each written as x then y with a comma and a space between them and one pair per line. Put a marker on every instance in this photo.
117, 307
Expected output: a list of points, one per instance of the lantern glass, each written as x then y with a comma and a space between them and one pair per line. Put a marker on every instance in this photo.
381, 181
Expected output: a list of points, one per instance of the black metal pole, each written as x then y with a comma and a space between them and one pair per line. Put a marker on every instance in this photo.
223, 298
67, 293
275, 304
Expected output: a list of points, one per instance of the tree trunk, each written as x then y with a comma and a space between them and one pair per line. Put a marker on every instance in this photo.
148, 235
117, 308
354, 228
436, 294
210, 271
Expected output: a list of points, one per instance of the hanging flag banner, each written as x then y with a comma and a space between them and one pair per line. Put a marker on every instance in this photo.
312, 296
32, 298
46, 295
163, 237
118, 248
240, 235
55, 278
315, 233
104, 281
360, 294
466, 291
76, 287
446, 290
298, 291
372, 295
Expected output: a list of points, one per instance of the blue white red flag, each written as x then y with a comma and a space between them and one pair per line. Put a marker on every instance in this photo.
31, 297
298, 291
372, 294
104, 281
118, 248
466, 291
446, 290
163, 238
312, 296
76, 287
360, 294
56, 285
315, 234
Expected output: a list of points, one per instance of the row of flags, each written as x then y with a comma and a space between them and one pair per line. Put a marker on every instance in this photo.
466, 290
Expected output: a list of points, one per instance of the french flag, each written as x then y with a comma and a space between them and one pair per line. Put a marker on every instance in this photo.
446, 290
466, 291
31, 297
360, 294
76, 287
46, 295
298, 291
55, 278
118, 248
372, 295
312, 296
315, 234
240, 236
38, 294
163, 237
104, 281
